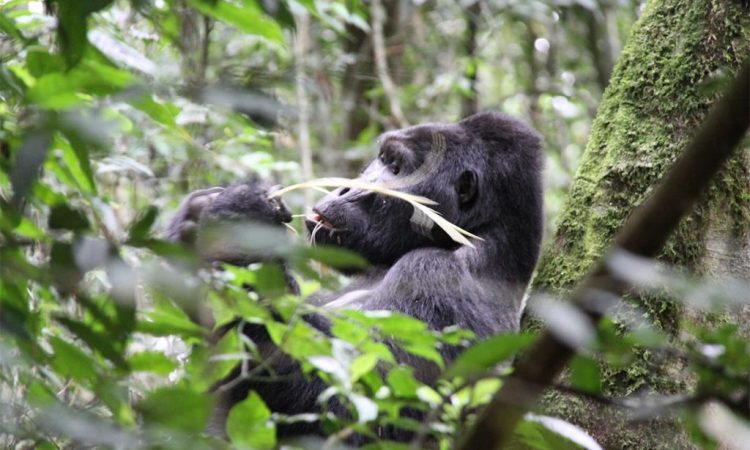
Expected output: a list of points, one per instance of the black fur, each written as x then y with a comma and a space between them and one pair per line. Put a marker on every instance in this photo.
484, 173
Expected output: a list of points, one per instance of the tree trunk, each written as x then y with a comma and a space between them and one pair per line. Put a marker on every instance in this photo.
470, 100
658, 95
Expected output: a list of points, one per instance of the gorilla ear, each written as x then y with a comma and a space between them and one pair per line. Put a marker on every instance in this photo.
467, 187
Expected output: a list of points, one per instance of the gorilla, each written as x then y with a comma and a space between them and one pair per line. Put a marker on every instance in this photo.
483, 172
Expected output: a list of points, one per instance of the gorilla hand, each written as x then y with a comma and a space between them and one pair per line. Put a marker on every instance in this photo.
184, 225
247, 201
201, 219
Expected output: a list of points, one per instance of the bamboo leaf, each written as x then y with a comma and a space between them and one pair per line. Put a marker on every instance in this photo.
419, 203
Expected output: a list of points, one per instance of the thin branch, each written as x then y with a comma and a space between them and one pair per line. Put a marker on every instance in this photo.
644, 234
470, 101
206, 45
381, 63
300, 55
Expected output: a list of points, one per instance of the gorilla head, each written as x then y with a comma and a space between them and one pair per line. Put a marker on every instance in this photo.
483, 172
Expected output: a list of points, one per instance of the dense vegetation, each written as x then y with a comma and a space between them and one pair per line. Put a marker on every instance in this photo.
113, 110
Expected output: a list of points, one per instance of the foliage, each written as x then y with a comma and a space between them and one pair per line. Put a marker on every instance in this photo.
111, 111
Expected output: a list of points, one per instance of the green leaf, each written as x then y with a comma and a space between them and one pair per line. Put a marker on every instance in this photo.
62, 266
141, 227
102, 342
164, 113
297, 339
166, 320
151, 361
551, 433
211, 363
177, 408
268, 279
402, 382
429, 396
362, 364
70, 361
39, 393
64, 217
8, 27
58, 91
40, 62
249, 424
585, 374
29, 159
488, 353
72, 16
332, 256
248, 17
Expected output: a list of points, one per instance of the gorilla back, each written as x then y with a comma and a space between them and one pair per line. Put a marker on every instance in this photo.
484, 172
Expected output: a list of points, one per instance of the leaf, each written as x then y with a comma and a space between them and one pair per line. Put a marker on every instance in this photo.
334, 182
164, 113
330, 366
62, 266
121, 53
367, 410
268, 279
63, 90
177, 408
72, 16
8, 27
545, 432
141, 226
166, 320
585, 374
76, 158
456, 233
40, 62
249, 424
64, 217
99, 341
29, 160
248, 17
70, 361
402, 382
362, 364
297, 339
122, 163
488, 353
429, 396
421, 210
151, 361
331, 256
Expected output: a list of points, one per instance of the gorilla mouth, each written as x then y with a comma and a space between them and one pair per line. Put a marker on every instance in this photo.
317, 223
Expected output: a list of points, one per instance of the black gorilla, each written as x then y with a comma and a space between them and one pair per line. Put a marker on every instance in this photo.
484, 173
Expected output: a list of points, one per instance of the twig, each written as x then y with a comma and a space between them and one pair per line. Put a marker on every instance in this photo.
381, 63
303, 118
644, 234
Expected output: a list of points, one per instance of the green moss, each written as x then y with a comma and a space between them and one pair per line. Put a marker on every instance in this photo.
656, 100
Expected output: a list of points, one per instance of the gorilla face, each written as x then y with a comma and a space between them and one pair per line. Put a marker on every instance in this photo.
420, 160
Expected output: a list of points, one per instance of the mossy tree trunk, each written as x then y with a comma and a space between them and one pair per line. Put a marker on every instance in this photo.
659, 93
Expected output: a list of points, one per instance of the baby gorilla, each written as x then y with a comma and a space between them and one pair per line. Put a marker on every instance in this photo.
484, 172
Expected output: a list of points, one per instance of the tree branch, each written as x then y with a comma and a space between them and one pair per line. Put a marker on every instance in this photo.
644, 234
381, 63
303, 119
